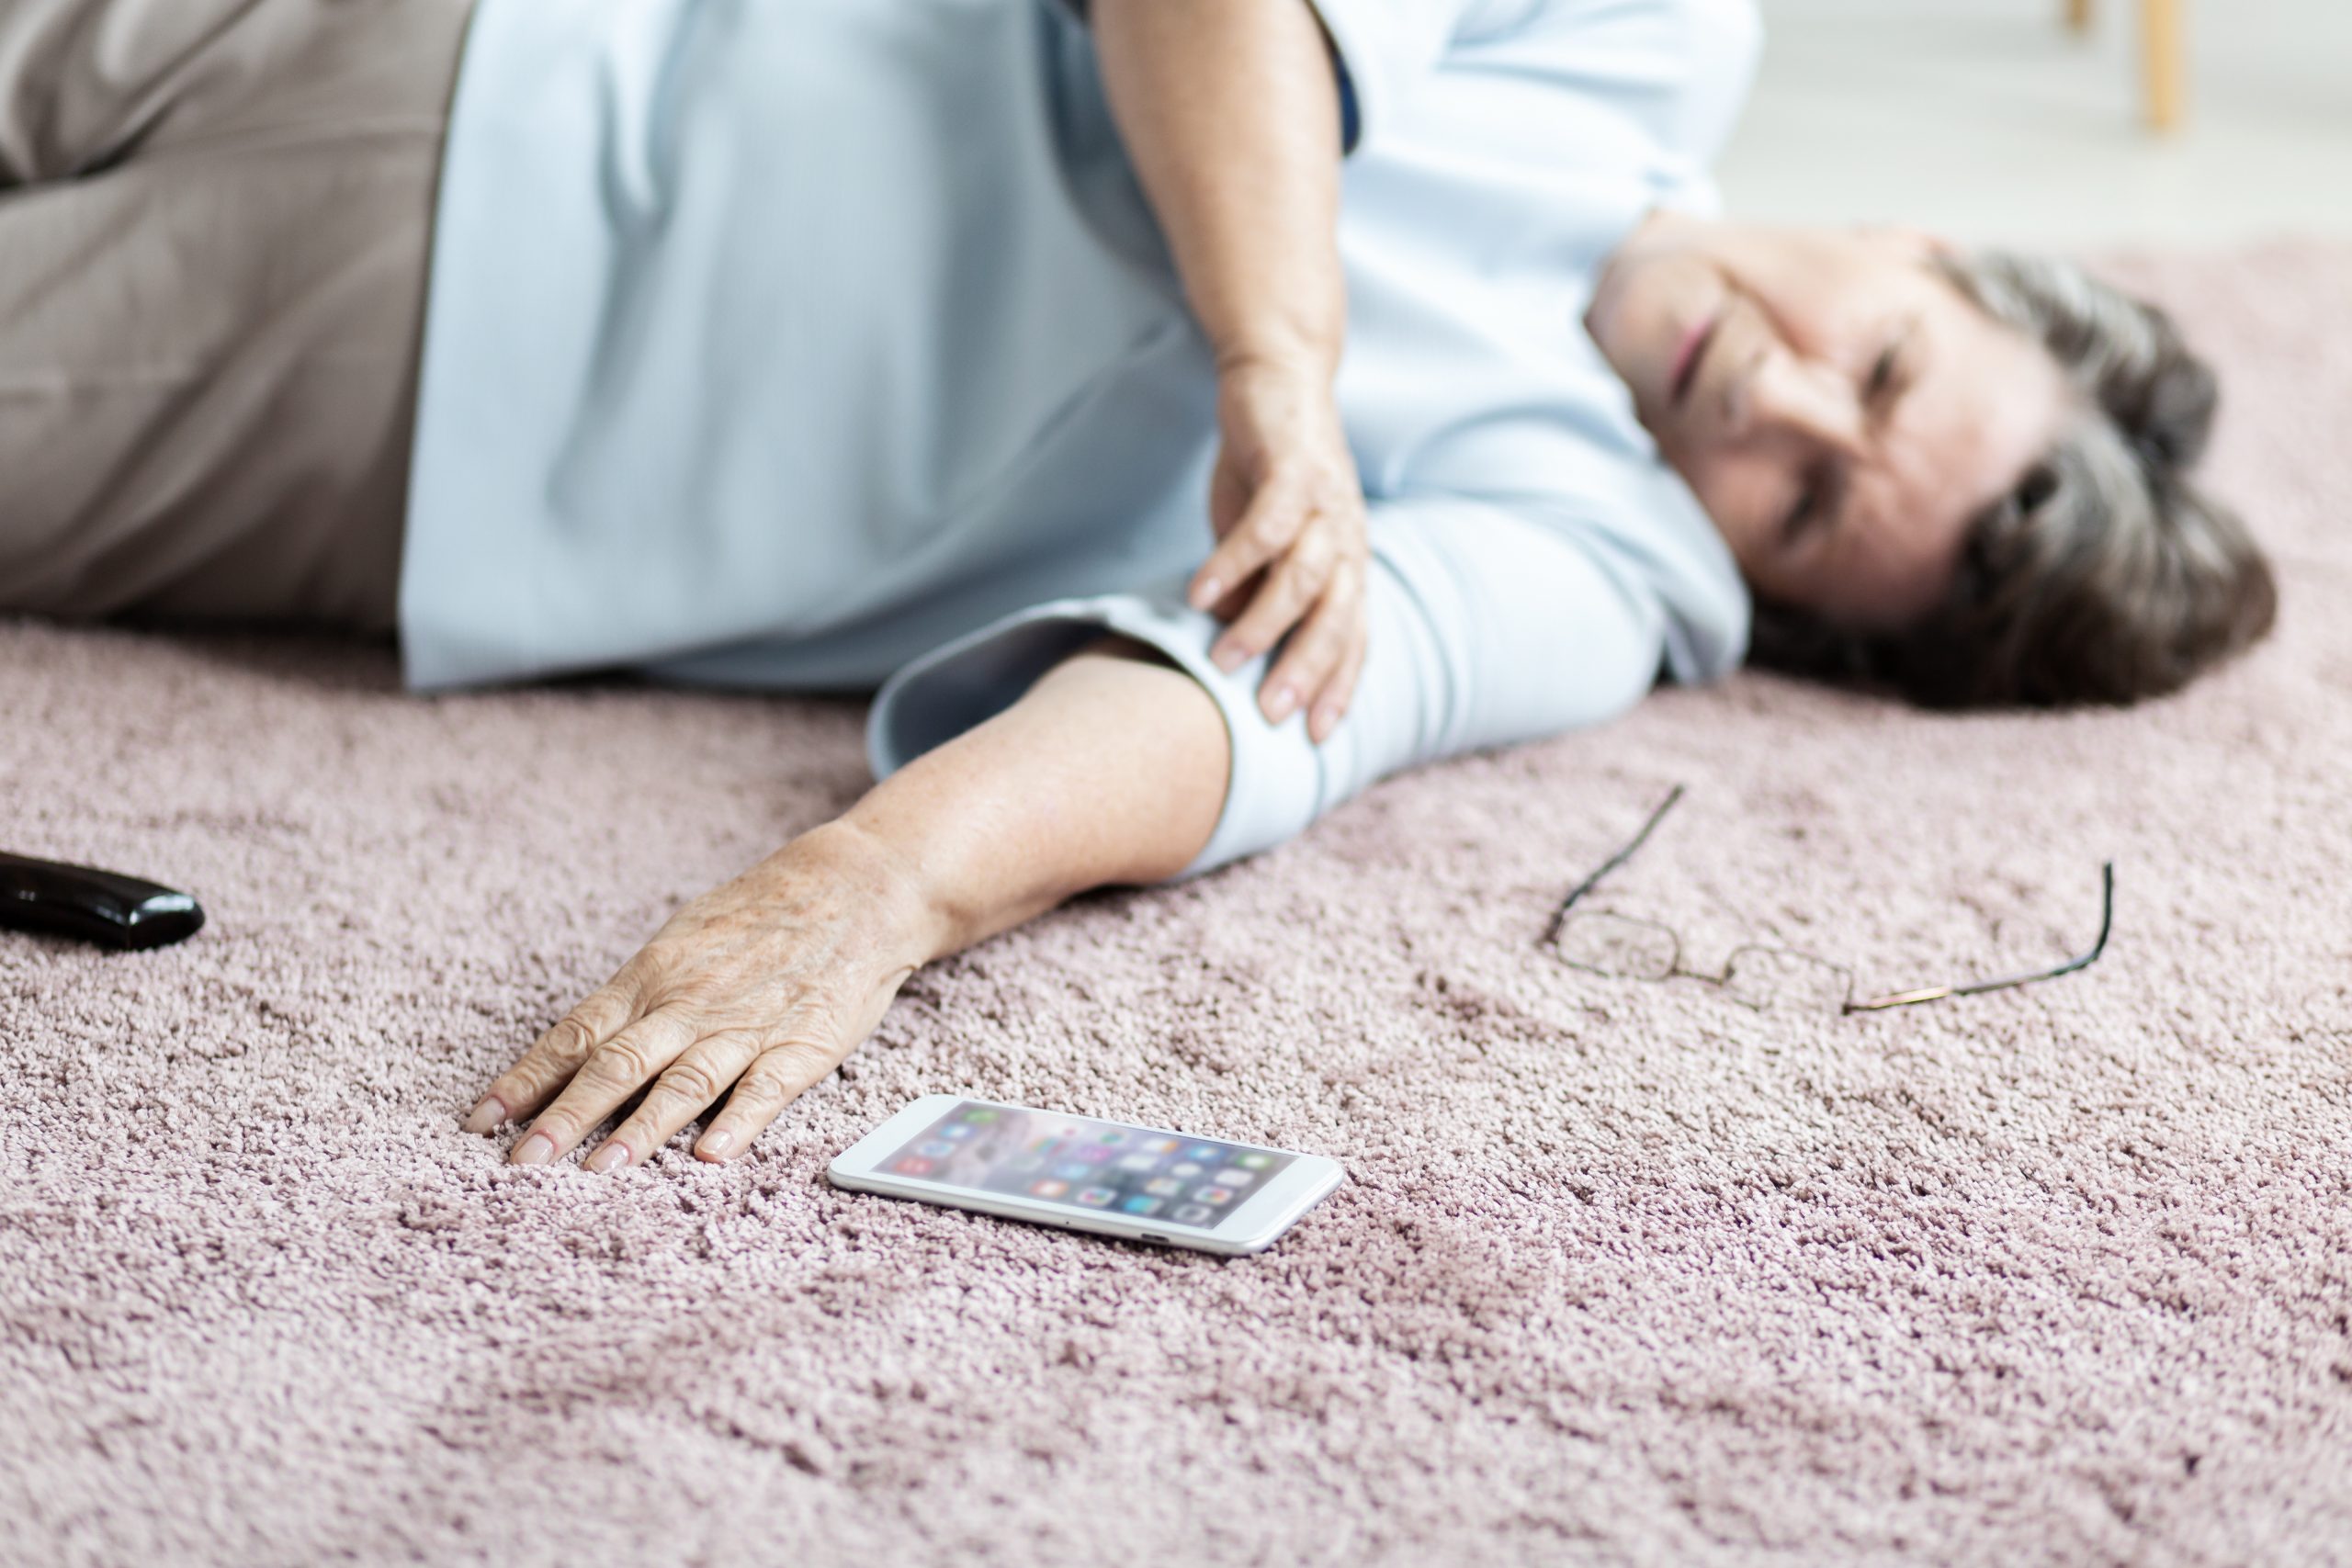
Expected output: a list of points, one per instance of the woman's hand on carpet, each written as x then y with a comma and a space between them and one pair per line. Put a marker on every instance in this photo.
1287, 507
762, 985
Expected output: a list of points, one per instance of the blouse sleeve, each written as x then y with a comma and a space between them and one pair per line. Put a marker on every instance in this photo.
1488, 626
1386, 47
1381, 47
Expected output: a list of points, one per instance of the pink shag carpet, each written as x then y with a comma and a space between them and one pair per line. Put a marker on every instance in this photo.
1624, 1272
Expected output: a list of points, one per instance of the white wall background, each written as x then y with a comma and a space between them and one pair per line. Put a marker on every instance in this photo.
1988, 120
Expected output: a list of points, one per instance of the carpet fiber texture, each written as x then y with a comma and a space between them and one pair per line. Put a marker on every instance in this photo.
1624, 1271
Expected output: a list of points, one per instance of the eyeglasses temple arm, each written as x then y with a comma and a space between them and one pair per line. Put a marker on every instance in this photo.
1936, 993
1560, 914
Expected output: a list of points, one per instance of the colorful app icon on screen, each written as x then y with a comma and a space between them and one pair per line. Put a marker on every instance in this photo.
1212, 1194
1111, 1137
1157, 1145
912, 1165
1255, 1162
1093, 1153
1073, 1170
1139, 1205
1204, 1152
1138, 1162
935, 1148
1192, 1214
1097, 1197
1234, 1175
1047, 1189
1163, 1186
955, 1130
980, 1115
1184, 1168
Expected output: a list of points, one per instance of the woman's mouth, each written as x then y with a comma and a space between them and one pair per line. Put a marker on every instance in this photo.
1687, 356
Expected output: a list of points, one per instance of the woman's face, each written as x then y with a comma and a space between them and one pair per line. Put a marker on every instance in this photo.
1839, 409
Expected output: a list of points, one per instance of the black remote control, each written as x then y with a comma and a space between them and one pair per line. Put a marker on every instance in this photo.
104, 907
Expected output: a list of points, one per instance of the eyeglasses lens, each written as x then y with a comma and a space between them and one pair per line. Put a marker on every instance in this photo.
1612, 944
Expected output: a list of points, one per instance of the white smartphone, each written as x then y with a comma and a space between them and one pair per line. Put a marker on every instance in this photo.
1142, 1183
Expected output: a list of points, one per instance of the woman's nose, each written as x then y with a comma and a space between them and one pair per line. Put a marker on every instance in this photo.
1793, 397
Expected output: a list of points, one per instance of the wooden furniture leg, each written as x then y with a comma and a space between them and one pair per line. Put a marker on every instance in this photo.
2162, 45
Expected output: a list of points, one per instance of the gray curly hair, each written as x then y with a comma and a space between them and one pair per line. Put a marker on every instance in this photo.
2105, 575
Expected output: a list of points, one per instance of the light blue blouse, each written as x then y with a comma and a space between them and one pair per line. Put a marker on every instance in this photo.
830, 343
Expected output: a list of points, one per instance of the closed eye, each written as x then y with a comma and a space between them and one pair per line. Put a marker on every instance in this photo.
1882, 374
1801, 515
1893, 369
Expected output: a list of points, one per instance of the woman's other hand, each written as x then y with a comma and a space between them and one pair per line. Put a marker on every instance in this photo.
760, 988
1230, 113
1287, 508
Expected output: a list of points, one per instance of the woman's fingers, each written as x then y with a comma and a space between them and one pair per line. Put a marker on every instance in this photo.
1303, 676
1290, 591
1331, 704
613, 1071
551, 1061
691, 1086
777, 1077
768, 1068
1269, 528
1288, 504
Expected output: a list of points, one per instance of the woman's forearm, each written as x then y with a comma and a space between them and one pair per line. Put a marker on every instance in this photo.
1229, 112
1112, 769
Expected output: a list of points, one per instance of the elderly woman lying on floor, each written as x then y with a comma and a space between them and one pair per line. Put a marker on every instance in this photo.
800, 347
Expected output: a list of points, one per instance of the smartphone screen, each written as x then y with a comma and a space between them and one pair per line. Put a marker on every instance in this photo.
1079, 1163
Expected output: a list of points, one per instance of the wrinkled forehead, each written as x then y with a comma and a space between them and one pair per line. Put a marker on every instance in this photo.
1985, 403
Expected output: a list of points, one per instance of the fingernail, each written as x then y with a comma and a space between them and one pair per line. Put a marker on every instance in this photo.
715, 1144
1278, 702
1228, 658
536, 1149
1327, 720
486, 1115
612, 1155
1207, 594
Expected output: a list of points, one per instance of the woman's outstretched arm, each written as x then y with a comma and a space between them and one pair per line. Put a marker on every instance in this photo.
1112, 769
